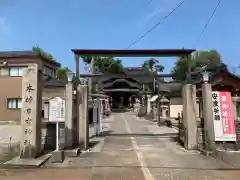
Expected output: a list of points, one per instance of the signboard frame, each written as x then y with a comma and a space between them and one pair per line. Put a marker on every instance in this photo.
57, 112
57, 109
223, 119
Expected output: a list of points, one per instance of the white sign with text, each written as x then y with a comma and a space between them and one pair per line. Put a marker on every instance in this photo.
57, 110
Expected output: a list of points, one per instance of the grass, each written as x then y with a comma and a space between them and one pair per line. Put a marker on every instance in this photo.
9, 153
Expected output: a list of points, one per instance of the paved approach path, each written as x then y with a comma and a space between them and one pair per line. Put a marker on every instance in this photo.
134, 149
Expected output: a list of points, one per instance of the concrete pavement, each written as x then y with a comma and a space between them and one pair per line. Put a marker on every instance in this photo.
133, 149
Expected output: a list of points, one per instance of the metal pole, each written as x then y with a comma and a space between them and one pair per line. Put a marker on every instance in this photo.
90, 79
159, 108
57, 136
158, 104
77, 68
86, 70
188, 69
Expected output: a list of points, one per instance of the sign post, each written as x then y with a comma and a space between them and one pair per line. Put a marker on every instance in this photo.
57, 136
224, 123
57, 114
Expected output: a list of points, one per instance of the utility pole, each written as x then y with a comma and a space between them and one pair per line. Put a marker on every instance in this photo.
77, 69
188, 69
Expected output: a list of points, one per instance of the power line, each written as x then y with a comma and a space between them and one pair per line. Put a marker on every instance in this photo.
150, 1
207, 23
156, 25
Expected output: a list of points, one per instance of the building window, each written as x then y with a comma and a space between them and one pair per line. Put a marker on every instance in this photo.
15, 71
48, 71
14, 103
46, 110
12, 71
4, 72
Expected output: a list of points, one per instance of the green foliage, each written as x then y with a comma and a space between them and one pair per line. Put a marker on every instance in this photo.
9, 153
210, 59
182, 66
86, 59
145, 66
159, 68
151, 64
105, 64
62, 74
43, 53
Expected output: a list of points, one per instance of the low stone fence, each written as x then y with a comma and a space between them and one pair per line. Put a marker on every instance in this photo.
183, 133
10, 134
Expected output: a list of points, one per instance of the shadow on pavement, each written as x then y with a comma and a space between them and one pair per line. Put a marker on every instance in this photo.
151, 167
142, 134
93, 143
105, 133
120, 110
177, 140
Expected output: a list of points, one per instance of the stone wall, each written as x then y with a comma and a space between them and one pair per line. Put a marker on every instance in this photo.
10, 135
224, 145
200, 134
200, 138
237, 125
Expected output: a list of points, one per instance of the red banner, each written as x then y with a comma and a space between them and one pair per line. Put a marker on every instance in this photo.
226, 113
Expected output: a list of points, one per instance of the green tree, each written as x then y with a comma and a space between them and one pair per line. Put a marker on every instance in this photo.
62, 74
105, 64
43, 53
145, 66
182, 66
211, 60
151, 64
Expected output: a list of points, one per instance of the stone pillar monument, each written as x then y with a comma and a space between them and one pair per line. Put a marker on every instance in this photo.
83, 117
208, 116
76, 104
69, 116
148, 104
189, 116
99, 116
31, 114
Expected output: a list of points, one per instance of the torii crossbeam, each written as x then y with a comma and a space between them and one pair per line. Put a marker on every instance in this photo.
127, 53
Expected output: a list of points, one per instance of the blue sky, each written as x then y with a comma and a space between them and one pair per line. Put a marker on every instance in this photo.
58, 26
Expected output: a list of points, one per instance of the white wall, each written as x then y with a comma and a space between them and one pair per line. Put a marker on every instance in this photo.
175, 106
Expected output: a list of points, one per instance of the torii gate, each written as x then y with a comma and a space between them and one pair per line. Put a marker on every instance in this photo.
137, 53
